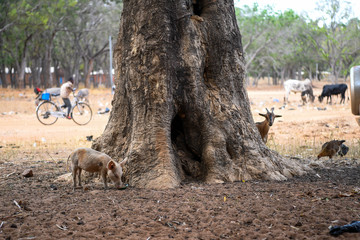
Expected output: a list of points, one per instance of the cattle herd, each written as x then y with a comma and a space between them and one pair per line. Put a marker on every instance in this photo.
306, 89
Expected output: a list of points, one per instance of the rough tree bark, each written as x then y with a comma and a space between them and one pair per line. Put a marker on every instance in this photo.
180, 110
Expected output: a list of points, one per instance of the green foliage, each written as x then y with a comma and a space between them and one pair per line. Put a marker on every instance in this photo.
62, 31
283, 43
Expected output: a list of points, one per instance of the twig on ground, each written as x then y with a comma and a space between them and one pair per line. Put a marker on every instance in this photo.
50, 156
64, 228
113, 200
10, 174
17, 204
16, 215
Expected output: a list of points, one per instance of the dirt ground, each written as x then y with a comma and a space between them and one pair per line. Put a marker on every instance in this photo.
44, 207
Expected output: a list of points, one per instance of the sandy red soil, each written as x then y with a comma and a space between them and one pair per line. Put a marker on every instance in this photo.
300, 208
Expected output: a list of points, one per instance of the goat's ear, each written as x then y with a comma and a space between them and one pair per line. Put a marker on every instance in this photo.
261, 114
278, 116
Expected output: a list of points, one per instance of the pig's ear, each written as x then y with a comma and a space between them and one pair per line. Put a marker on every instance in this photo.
111, 165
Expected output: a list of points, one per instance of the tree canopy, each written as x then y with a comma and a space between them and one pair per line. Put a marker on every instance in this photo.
67, 35
284, 44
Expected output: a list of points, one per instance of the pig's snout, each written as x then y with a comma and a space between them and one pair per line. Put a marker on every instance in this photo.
122, 187
115, 174
116, 179
118, 184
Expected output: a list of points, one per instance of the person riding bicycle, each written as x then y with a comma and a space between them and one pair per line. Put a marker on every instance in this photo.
65, 91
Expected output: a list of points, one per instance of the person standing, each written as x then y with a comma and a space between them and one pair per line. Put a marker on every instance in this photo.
65, 91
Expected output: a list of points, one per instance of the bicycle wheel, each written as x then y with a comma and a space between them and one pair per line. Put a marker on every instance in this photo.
81, 113
44, 113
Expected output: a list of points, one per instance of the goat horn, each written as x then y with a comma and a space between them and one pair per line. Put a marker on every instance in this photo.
263, 115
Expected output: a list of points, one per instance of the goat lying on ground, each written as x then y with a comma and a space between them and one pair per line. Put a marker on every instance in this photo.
265, 125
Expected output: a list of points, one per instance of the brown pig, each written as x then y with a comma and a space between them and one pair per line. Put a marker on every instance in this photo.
90, 160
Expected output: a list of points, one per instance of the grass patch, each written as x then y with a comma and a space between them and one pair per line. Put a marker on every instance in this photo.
305, 148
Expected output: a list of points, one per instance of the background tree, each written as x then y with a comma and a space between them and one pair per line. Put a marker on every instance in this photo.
258, 24
181, 110
5, 23
335, 40
54, 27
284, 62
92, 45
17, 37
86, 37
55, 12
274, 43
352, 50
301, 44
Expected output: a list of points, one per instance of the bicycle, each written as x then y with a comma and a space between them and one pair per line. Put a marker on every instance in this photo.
48, 112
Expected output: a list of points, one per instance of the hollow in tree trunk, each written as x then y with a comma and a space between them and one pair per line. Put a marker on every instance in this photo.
180, 110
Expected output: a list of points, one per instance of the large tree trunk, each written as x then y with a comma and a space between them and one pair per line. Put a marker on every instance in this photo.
47, 74
47, 68
89, 68
21, 73
20, 70
4, 83
181, 110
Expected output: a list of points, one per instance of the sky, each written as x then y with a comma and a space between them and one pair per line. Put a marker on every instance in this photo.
299, 7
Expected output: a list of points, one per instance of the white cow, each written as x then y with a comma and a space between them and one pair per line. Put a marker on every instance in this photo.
295, 86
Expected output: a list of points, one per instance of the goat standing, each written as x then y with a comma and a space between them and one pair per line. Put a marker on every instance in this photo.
265, 125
